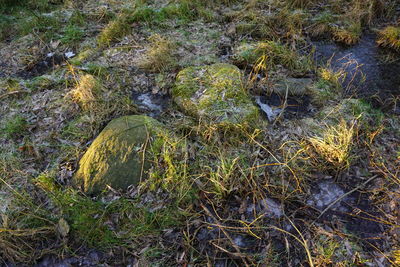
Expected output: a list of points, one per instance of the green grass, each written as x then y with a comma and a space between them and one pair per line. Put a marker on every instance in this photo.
72, 34
182, 10
14, 127
266, 56
197, 162
41, 5
45, 25
114, 31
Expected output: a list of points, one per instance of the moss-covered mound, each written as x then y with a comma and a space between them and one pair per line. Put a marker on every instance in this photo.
214, 93
116, 157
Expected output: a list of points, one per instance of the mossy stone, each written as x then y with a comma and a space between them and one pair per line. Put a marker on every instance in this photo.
294, 86
214, 93
116, 158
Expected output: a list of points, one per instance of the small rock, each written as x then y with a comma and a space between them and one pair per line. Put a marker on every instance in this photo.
294, 86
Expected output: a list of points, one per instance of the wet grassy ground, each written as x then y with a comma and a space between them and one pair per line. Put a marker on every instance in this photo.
318, 185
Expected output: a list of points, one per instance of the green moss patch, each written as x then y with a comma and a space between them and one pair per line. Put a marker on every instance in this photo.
214, 92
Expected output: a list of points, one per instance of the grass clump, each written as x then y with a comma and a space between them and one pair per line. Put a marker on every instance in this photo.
114, 31
267, 56
15, 127
45, 24
228, 174
181, 10
389, 37
159, 57
323, 23
334, 146
98, 103
349, 35
171, 168
28, 230
328, 87
86, 93
72, 34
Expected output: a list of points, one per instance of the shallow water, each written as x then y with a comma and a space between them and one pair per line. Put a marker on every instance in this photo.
369, 72
152, 104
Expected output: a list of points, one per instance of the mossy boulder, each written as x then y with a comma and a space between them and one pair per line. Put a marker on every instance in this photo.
214, 93
117, 157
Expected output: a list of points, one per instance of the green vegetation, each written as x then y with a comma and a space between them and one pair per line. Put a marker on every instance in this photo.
271, 54
14, 127
390, 37
214, 92
159, 56
335, 144
194, 133
114, 30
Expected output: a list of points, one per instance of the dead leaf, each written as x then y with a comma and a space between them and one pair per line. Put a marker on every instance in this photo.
63, 227
55, 44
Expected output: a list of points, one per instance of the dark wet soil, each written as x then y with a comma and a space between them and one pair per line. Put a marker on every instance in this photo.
372, 72
40, 67
90, 259
355, 212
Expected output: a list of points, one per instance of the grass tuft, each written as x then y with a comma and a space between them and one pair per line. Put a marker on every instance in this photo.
86, 92
159, 56
389, 37
15, 127
114, 31
349, 35
334, 146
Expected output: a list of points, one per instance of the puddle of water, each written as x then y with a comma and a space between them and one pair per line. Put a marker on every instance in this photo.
325, 194
295, 106
366, 72
152, 104
355, 210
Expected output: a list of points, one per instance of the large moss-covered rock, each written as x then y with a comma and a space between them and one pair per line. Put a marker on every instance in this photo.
214, 93
116, 157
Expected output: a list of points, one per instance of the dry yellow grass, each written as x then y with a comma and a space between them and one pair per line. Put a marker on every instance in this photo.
85, 92
159, 56
335, 144
389, 37
349, 35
